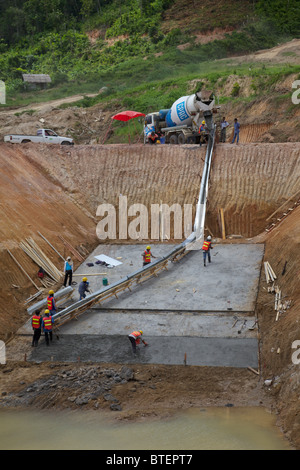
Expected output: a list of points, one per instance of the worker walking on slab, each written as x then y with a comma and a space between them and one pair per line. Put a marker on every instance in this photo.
47, 326
136, 338
206, 247
68, 270
36, 323
147, 255
51, 304
83, 288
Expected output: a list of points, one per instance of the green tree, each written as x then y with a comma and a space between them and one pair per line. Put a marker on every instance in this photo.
43, 15
12, 24
284, 15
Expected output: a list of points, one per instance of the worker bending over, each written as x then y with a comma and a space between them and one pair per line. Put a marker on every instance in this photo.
206, 249
135, 338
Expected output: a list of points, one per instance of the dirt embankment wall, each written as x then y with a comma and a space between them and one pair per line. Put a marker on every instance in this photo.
280, 337
249, 182
56, 191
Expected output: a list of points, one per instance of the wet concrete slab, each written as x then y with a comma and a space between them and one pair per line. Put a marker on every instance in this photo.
224, 352
203, 313
98, 322
230, 281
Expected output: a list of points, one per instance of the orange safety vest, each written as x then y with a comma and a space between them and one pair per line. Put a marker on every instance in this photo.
48, 323
206, 246
50, 303
137, 336
36, 322
147, 256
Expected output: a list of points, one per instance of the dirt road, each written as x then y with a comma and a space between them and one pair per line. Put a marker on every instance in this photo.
47, 105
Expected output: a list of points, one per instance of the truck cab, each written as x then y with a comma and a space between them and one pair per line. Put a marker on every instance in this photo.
47, 136
152, 124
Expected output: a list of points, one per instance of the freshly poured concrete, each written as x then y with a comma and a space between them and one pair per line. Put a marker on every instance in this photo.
203, 314
225, 352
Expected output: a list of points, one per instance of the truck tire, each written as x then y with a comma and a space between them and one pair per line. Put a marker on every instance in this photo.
65, 142
25, 141
173, 139
181, 139
191, 139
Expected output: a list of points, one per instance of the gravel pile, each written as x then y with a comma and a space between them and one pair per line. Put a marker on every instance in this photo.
71, 387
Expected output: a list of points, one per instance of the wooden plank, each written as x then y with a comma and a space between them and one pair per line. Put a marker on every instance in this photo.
266, 272
281, 207
271, 270
253, 370
72, 249
44, 238
91, 274
23, 270
222, 224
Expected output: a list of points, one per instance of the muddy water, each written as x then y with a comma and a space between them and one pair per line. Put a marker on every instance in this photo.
195, 429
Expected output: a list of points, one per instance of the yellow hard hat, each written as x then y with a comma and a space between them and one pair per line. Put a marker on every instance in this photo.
203, 122
51, 292
47, 311
84, 279
141, 332
148, 247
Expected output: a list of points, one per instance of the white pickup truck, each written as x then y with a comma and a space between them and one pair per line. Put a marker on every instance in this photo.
45, 136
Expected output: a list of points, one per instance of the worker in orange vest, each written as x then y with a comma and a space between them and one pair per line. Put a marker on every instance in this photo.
152, 138
47, 326
135, 338
202, 132
206, 247
147, 255
36, 323
51, 304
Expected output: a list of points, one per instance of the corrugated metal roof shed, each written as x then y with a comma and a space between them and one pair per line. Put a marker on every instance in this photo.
36, 78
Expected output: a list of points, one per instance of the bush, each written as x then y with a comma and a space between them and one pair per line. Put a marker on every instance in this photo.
235, 89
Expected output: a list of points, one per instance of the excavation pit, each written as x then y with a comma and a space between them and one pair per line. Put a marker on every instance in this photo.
189, 313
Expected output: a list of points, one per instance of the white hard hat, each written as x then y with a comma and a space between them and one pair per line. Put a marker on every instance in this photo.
209, 237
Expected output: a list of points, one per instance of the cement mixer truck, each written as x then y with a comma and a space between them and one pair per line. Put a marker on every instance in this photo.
180, 124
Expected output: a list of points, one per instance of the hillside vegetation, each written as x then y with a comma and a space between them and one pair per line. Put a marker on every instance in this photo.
88, 44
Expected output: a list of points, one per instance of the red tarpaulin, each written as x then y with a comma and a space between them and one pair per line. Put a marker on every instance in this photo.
126, 115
